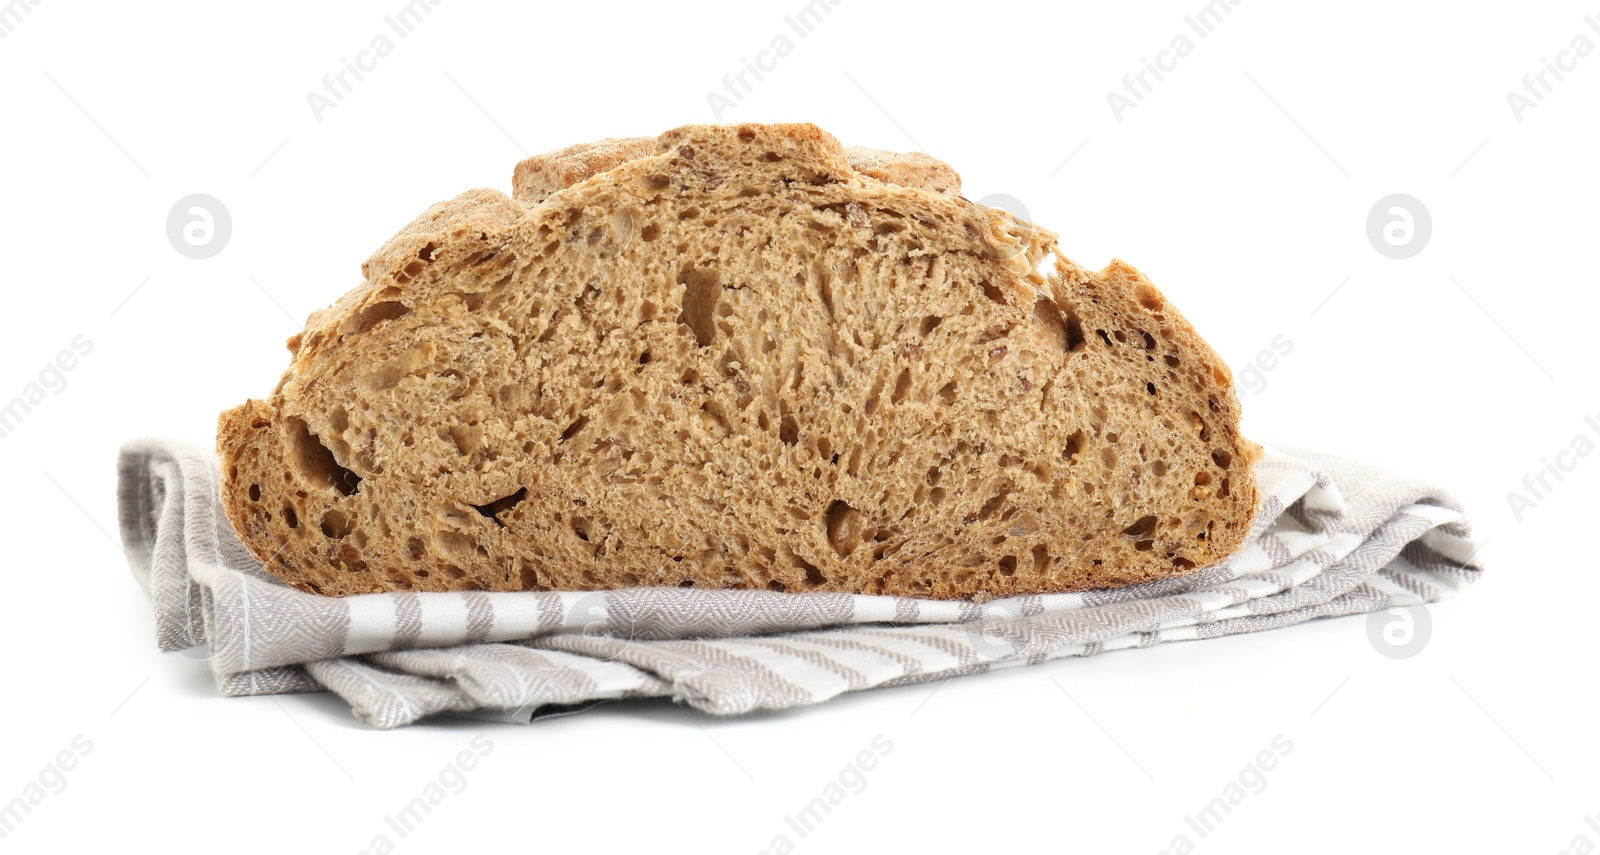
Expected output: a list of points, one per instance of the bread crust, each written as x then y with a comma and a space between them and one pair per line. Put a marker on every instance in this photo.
738, 356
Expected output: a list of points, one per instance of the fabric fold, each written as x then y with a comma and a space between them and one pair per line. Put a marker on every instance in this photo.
1333, 537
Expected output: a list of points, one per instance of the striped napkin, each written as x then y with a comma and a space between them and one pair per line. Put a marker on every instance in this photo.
1333, 537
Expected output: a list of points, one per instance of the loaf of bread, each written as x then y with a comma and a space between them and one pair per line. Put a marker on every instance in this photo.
739, 357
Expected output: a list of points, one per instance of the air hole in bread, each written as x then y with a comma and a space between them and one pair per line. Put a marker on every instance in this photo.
336, 525
701, 291
992, 292
843, 527
1063, 326
372, 315
994, 502
290, 518
1041, 558
1150, 387
572, 429
902, 385
493, 509
1141, 527
788, 430
814, 576
948, 392
316, 463
1103, 337
1008, 565
1074, 445
580, 527
930, 323
1222, 458
255, 492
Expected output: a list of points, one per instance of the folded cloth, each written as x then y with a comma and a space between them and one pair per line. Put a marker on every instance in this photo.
1333, 537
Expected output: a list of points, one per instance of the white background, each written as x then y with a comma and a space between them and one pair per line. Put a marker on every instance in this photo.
1241, 185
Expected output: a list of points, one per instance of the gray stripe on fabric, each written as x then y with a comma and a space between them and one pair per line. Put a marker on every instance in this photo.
906, 611
841, 641
480, 617
1410, 584
407, 620
1425, 557
783, 644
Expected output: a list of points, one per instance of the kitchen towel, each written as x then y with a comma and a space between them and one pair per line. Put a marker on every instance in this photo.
1332, 537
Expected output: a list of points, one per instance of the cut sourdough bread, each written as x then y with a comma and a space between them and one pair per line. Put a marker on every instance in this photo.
739, 357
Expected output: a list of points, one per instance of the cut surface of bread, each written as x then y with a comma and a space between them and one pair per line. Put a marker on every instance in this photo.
739, 356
